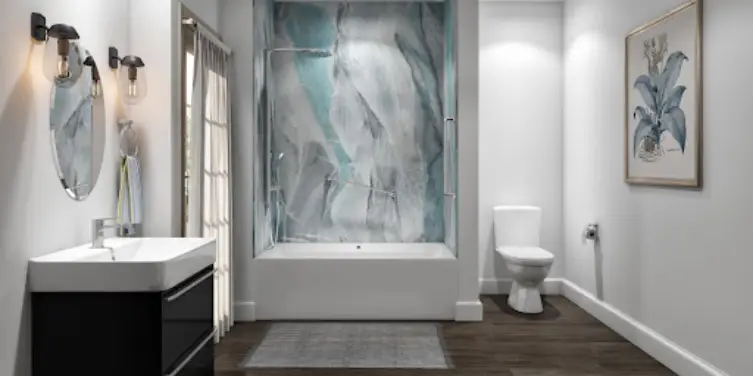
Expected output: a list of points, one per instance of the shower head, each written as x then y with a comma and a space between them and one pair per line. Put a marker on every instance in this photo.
313, 52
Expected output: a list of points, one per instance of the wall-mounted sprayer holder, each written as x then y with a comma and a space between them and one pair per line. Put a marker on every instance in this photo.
591, 232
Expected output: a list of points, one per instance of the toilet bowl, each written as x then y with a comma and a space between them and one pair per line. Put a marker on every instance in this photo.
529, 267
516, 237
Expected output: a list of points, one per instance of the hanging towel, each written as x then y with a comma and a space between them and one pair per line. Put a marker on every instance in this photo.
130, 210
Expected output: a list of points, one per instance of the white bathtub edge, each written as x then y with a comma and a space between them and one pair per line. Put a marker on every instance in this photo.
354, 289
469, 311
356, 251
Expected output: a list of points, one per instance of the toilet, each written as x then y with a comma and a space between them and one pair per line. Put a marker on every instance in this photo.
516, 238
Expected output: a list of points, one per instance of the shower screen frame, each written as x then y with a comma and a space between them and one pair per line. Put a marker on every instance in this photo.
450, 126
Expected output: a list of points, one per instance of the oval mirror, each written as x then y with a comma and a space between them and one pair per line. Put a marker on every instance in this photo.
77, 125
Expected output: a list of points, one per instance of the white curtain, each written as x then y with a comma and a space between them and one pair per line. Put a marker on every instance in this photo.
209, 195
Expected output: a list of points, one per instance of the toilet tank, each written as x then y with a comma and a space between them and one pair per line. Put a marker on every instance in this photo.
516, 226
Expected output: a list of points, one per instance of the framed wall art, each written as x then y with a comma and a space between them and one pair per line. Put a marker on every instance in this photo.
663, 100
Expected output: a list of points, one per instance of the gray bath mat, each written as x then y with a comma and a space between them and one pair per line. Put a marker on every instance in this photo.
349, 345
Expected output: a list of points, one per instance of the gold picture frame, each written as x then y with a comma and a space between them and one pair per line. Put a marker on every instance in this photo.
695, 141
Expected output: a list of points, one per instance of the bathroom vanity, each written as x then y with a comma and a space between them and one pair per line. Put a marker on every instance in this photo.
148, 311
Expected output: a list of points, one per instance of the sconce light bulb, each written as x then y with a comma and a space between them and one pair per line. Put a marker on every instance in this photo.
63, 67
133, 89
96, 89
63, 49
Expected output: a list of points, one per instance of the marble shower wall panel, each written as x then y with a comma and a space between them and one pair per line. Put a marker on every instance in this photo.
370, 115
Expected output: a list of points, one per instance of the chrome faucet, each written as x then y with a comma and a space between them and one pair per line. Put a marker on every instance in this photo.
98, 230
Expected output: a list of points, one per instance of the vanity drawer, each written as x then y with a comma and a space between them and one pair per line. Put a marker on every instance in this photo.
187, 316
198, 361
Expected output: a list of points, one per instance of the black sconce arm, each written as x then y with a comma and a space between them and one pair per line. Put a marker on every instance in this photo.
39, 27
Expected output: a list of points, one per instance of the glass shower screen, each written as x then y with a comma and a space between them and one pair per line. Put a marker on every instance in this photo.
356, 131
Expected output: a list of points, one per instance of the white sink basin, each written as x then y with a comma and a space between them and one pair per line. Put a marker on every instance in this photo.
141, 264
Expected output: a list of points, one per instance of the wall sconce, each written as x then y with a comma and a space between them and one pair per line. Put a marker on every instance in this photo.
96, 89
132, 76
57, 54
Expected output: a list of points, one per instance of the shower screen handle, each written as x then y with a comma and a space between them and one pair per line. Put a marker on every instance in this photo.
449, 131
267, 139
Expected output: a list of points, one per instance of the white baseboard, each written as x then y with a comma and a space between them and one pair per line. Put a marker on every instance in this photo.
469, 311
672, 355
495, 286
244, 311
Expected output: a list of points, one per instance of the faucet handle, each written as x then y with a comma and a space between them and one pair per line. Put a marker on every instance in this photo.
98, 223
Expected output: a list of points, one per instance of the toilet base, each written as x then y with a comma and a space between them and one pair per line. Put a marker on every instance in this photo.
525, 299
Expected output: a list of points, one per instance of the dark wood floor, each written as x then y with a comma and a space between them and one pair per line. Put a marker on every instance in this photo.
562, 341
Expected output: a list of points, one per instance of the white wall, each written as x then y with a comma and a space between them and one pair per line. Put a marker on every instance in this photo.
152, 38
675, 260
207, 10
38, 217
237, 30
521, 123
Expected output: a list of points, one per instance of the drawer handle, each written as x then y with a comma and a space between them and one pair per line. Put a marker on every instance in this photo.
186, 289
193, 353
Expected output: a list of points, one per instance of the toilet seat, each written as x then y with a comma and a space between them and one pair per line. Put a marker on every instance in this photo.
529, 256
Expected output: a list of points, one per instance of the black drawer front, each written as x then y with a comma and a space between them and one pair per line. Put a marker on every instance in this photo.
187, 316
200, 364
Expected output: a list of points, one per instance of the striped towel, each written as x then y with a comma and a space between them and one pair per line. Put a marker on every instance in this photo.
130, 210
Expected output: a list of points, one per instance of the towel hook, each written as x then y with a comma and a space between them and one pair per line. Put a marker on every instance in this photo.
126, 132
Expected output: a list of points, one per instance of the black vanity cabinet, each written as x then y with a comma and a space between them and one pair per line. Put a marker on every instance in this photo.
168, 333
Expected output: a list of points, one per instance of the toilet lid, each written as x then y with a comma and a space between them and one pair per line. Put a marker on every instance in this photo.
526, 255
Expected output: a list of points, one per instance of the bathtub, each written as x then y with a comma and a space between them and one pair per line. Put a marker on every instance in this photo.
355, 282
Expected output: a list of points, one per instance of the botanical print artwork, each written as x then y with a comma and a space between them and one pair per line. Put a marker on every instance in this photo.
661, 112
663, 100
